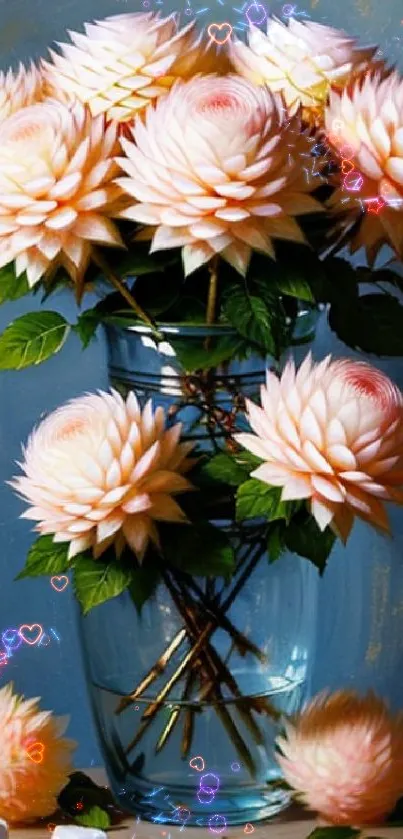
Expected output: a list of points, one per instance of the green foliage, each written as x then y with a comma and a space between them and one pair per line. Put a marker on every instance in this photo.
225, 469
250, 315
304, 538
138, 261
96, 581
334, 833
92, 801
372, 323
200, 549
11, 286
94, 817
45, 557
32, 339
198, 355
256, 499
276, 540
144, 581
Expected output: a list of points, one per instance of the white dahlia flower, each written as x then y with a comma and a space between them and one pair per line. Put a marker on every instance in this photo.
124, 62
56, 188
331, 433
19, 89
101, 471
302, 60
35, 758
216, 169
364, 124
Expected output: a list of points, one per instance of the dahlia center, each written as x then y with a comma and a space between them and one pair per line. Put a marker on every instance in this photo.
374, 386
218, 102
71, 428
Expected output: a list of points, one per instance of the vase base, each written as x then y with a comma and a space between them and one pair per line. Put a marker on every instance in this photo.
172, 804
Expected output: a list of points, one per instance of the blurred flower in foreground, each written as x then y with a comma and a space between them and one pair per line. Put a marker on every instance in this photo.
344, 757
331, 433
35, 759
100, 471
217, 169
56, 188
365, 123
19, 89
301, 60
124, 61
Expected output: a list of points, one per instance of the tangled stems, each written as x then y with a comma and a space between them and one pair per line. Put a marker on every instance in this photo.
203, 666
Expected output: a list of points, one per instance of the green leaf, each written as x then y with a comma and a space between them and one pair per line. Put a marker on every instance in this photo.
250, 316
95, 817
373, 324
255, 500
334, 833
96, 581
275, 541
31, 339
139, 261
87, 325
200, 549
11, 286
225, 469
45, 557
295, 286
194, 355
304, 538
144, 581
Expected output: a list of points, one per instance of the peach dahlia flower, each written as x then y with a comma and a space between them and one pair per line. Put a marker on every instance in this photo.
301, 60
331, 433
123, 62
35, 759
344, 757
56, 188
19, 89
216, 168
101, 471
365, 125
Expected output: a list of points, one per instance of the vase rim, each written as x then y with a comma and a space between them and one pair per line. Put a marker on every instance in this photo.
185, 330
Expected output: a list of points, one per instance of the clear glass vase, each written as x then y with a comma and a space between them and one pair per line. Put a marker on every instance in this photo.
213, 785
188, 696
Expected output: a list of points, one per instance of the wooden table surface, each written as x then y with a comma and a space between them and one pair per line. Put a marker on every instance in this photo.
293, 823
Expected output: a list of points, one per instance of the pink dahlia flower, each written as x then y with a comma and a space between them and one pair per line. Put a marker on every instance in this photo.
216, 169
56, 189
19, 89
101, 471
331, 433
344, 758
35, 759
124, 62
365, 125
302, 60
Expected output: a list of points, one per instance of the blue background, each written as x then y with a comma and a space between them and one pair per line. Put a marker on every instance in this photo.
360, 622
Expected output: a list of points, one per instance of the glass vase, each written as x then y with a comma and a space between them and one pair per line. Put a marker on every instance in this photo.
188, 696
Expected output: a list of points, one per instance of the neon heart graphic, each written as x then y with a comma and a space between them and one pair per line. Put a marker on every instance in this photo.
224, 28
197, 763
346, 167
36, 752
3, 659
59, 583
25, 629
248, 828
256, 14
